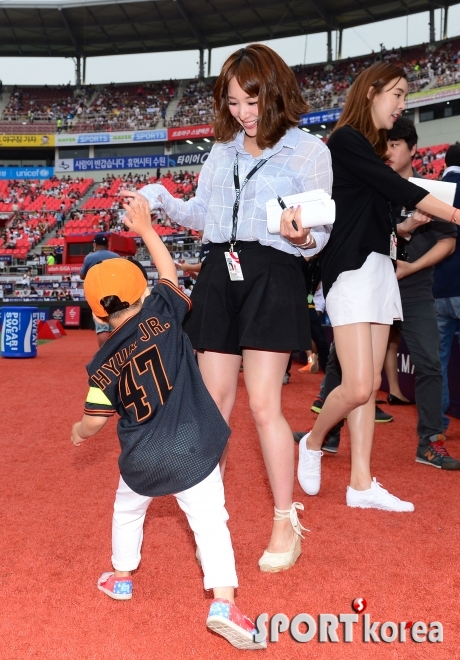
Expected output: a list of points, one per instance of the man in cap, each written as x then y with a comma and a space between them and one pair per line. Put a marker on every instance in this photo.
99, 253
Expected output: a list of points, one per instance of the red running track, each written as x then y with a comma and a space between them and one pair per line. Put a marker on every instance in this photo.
55, 535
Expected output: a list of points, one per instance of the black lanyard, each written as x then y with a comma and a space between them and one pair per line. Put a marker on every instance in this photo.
393, 221
238, 190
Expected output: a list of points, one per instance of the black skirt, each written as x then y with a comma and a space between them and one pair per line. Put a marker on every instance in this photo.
266, 311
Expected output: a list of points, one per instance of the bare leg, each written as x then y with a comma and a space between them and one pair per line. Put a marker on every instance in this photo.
355, 397
226, 593
357, 379
361, 420
220, 375
263, 375
391, 363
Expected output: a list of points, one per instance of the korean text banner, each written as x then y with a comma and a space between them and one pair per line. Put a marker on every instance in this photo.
26, 140
195, 158
187, 132
119, 163
130, 162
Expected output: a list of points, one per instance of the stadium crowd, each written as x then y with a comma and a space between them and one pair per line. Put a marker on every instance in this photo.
129, 107
195, 106
62, 104
143, 105
34, 208
326, 87
103, 211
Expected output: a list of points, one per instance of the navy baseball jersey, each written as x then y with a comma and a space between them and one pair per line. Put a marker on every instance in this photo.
171, 432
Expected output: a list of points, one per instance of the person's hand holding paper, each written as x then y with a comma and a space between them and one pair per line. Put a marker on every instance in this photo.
316, 209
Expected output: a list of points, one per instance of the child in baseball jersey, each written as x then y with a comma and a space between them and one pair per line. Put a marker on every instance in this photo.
171, 432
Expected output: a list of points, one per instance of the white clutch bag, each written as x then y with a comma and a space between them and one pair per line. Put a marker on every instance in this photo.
317, 208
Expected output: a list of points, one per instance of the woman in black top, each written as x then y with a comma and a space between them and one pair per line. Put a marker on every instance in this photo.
360, 286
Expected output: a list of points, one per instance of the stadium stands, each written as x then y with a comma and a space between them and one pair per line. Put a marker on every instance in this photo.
429, 161
326, 86
128, 107
32, 207
103, 210
195, 106
43, 107
143, 105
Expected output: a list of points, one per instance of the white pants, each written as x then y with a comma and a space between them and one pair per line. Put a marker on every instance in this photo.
204, 506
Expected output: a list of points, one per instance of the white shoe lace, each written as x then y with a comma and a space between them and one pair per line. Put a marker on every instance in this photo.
383, 493
311, 461
291, 513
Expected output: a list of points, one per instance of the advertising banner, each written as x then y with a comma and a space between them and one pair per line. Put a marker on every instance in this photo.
57, 314
122, 137
19, 332
320, 117
130, 162
72, 316
64, 165
26, 172
62, 269
43, 313
186, 132
435, 95
26, 140
196, 158
158, 135
119, 163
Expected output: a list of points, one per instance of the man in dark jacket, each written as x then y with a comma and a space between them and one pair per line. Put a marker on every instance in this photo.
446, 287
424, 244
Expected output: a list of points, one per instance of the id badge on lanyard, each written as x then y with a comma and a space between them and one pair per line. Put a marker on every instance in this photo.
232, 258
393, 246
234, 266
393, 236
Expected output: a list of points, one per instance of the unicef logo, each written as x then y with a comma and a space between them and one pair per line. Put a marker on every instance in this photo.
44, 172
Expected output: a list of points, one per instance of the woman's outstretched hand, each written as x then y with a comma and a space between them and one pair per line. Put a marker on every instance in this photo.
137, 217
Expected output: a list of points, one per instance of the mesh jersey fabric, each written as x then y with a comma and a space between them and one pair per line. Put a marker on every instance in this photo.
171, 432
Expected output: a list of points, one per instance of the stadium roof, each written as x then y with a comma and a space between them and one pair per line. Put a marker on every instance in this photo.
68, 28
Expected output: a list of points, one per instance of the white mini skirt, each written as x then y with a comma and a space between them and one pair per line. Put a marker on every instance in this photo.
367, 295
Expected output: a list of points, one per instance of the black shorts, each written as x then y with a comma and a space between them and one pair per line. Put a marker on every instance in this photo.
267, 310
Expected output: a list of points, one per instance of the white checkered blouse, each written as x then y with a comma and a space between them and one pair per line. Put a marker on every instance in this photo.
298, 163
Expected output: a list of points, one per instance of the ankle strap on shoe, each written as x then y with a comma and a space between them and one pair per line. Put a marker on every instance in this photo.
291, 514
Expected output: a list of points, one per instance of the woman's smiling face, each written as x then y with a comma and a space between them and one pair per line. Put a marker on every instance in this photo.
243, 107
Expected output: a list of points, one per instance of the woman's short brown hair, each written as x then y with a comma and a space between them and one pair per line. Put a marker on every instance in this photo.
261, 73
357, 110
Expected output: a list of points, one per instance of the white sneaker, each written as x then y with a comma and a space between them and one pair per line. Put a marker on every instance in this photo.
309, 468
376, 497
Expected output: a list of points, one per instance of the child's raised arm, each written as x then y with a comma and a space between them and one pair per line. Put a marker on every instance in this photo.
137, 218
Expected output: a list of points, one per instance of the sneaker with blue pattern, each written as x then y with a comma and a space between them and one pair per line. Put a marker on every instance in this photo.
119, 588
